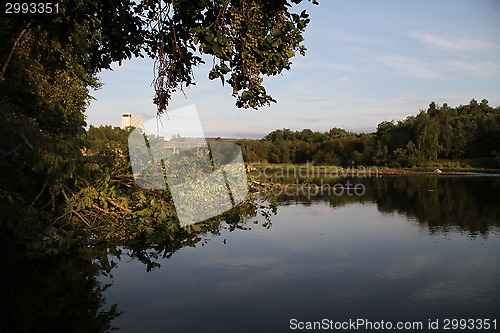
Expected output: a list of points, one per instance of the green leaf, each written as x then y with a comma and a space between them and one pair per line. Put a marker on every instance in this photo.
209, 38
224, 69
246, 95
216, 49
276, 32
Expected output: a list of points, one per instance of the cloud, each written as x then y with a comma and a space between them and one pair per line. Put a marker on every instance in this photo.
410, 266
411, 67
454, 44
482, 69
476, 57
447, 54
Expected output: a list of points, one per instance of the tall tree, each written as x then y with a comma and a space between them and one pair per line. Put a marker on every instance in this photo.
247, 38
49, 61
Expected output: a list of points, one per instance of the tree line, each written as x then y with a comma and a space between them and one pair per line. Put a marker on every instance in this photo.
440, 132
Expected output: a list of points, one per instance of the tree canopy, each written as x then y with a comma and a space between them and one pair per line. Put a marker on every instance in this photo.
247, 39
61, 182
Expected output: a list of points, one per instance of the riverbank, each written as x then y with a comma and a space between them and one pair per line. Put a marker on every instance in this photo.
441, 171
302, 170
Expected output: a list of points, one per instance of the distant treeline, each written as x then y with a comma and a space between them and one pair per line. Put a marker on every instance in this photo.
467, 131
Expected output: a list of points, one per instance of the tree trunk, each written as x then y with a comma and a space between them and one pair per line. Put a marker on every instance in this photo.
16, 41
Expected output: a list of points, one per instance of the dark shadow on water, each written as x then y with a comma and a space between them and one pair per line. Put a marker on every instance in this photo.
56, 294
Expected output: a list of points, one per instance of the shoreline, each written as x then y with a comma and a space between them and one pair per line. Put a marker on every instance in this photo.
288, 169
438, 171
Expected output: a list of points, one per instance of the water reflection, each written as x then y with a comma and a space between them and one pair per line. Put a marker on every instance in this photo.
314, 263
439, 203
57, 294
444, 203
326, 256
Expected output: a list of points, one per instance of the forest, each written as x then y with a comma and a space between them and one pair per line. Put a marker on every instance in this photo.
438, 133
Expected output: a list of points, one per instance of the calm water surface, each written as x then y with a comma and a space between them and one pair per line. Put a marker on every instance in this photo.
409, 249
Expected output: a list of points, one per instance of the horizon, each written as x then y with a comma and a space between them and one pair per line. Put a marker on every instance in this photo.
321, 131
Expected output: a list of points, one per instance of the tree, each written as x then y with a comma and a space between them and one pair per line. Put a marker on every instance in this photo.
427, 130
247, 39
49, 62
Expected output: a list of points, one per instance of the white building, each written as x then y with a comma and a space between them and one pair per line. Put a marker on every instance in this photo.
129, 120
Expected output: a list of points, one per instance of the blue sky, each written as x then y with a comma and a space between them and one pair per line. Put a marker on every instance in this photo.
367, 61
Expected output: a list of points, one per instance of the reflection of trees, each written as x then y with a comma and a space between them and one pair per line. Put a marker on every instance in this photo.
469, 203
437, 202
164, 243
63, 293
55, 294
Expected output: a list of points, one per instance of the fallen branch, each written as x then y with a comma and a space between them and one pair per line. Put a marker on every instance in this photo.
126, 210
39, 194
81, 218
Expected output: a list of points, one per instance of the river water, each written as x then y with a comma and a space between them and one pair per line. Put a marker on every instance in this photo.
420, 251
408, 249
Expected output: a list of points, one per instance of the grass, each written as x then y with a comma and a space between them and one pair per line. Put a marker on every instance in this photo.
480, 162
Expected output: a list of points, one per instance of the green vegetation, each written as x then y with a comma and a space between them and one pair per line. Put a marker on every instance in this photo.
465, 136
62, 185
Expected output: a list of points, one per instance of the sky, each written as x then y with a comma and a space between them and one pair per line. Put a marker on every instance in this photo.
366, 62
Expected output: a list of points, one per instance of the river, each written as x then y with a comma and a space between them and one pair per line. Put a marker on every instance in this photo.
408, 250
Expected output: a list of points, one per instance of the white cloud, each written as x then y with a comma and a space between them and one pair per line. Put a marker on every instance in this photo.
411, 67
454, 44
477, 58
482, 69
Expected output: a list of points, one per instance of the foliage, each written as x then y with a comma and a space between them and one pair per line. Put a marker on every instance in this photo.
109, 205
61, 185
249, 39
467, 131
246, 38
